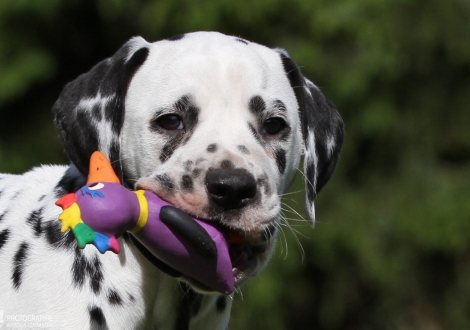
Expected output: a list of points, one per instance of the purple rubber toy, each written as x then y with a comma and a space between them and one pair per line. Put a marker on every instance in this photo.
103, 210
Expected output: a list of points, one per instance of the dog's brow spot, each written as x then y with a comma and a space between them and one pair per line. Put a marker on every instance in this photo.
227, 165
256, 105
131, 297
41, 198
187, 183
243, 149
212, 147
221, 304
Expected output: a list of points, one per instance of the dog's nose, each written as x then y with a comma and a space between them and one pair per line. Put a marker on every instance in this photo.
230, 189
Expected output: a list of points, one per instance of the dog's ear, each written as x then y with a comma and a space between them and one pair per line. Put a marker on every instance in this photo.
322, 132
90, 110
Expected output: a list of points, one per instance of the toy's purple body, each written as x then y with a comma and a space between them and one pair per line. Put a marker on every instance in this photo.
111, 209
175, 250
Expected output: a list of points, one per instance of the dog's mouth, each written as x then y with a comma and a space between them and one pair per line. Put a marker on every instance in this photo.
249, 250
246, 256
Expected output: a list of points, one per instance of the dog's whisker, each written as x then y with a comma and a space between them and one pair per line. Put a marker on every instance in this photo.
295, 233
292, 210
291, 193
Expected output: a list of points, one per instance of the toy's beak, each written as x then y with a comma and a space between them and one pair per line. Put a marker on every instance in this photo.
101, 169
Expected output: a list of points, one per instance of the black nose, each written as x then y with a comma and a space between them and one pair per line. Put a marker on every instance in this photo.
230, 189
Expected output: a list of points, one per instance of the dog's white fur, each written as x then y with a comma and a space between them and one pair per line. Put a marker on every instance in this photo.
43, 273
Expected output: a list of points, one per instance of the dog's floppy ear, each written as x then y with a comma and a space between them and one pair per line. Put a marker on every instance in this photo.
90, 110
322, 132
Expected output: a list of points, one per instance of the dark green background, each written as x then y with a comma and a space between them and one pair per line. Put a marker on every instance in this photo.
391, 247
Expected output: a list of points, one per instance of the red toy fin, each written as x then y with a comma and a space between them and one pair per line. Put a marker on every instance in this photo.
101, 169
66, 201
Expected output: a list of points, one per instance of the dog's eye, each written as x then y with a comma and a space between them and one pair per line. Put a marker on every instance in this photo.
273, 125
170, 122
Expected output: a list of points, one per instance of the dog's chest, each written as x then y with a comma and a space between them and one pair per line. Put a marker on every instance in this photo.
44, 274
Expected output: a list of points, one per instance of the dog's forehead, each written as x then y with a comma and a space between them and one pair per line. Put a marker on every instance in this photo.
210, 66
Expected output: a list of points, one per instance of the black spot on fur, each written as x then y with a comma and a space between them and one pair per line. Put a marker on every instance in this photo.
114, 298
227, 165
41, 198
187, 183
243, 149
196, 173
200, 160
281, 159
254, 132
71, 181
3, 215
243, 41
170, 146
18, 264
212, 147
257, 105
176, 37
35, 221
187, 165
94, 270
97, 316
188, 307
131, 297
82, 267
221, 304
4, 237
166, 183
55, 237
79, 267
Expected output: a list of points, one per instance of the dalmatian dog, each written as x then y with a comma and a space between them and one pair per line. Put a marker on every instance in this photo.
215, 125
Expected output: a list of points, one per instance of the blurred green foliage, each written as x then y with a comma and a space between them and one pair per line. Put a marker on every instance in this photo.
391, 247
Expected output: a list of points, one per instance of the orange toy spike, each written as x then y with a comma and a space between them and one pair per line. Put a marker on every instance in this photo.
101, 169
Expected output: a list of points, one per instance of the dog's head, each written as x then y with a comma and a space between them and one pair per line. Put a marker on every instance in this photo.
213, 124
